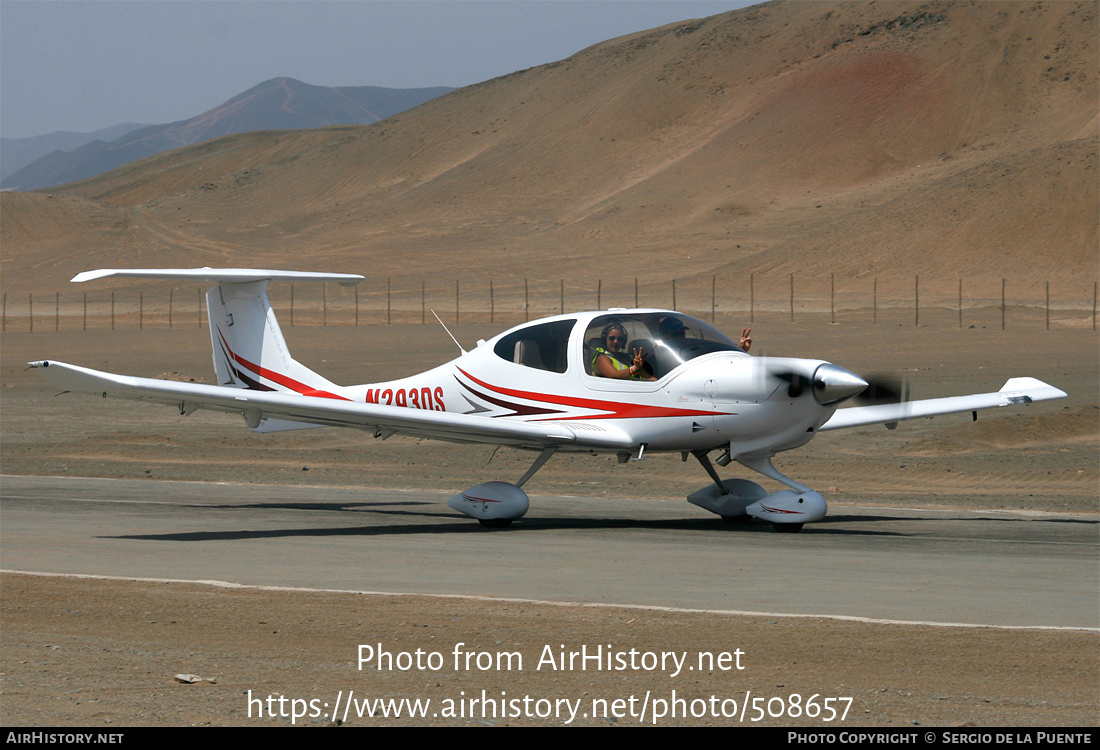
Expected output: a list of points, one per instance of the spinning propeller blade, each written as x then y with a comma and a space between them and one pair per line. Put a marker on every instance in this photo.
883, 388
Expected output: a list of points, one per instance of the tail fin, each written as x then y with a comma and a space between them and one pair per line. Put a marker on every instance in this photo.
248, 345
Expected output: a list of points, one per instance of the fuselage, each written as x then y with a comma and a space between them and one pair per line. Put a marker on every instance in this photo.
697, 390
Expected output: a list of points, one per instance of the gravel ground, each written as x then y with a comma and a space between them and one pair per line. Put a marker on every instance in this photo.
92, 652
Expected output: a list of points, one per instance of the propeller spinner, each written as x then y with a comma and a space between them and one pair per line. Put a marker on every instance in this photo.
833, 384
830, 384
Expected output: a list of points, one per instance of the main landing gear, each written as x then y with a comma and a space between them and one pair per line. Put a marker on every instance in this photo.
496, 504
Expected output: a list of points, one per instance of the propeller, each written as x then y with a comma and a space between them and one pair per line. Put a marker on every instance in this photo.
884, 388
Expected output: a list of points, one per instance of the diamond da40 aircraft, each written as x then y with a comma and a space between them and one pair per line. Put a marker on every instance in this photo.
626, 382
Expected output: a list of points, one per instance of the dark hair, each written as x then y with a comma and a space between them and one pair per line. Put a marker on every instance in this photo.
611, 327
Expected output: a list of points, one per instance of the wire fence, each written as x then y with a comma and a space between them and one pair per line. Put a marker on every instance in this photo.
754, 299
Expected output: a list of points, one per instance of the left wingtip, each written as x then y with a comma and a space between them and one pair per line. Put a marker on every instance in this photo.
1036, 389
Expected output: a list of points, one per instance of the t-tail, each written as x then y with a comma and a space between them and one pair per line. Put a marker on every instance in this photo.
248, 345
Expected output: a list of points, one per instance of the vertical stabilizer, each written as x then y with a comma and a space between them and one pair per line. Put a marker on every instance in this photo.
248, 344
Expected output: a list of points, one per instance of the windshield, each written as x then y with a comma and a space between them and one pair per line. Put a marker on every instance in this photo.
666, 340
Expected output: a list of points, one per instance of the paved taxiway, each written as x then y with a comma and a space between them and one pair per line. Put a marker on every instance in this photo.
911, 565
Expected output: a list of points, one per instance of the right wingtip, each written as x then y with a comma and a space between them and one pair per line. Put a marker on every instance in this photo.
91, 275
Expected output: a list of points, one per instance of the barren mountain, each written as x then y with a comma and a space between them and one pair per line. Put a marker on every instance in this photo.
886, 139
16, 153
278, 104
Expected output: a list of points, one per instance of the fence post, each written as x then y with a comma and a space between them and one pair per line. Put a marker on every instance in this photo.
1002, 304
752, 298
832, 298
916, 301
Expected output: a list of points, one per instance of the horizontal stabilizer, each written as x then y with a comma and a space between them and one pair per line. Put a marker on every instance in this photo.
218, 275
1015, 391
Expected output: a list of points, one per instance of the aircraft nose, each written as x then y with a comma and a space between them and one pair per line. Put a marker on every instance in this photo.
833, 384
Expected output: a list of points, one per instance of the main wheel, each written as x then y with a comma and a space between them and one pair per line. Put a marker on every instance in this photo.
495, 523
786, 528
737, 520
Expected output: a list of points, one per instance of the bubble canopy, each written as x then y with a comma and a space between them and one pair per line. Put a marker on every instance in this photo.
665, 340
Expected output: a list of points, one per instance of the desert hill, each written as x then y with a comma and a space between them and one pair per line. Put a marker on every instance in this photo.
277, 104
945, 139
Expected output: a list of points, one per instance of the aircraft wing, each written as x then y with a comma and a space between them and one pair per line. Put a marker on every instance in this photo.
1015, 391
380, 419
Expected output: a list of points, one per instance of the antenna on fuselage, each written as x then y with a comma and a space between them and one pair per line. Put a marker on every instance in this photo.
449, 333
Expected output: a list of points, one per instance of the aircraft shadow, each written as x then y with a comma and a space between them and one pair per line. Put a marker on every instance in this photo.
460, 525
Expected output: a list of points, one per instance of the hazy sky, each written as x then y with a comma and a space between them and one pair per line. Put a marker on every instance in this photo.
89, 64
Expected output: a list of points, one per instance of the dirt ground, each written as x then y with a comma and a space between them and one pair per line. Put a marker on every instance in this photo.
91, 652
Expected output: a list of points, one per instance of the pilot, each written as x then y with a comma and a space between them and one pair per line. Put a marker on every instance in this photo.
607, 361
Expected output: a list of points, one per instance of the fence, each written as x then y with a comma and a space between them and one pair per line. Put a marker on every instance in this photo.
757, 298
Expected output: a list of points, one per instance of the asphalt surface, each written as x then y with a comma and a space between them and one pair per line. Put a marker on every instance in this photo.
958, 567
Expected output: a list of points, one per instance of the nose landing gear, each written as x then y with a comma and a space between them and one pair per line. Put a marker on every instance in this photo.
787, 510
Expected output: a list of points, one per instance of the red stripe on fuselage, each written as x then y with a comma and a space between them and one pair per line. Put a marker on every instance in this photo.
617, 410
276, 377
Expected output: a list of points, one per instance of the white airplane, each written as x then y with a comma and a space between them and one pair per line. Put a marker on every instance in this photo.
683, 388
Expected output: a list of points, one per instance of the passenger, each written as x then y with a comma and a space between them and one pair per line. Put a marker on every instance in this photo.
607, 361
673, 328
